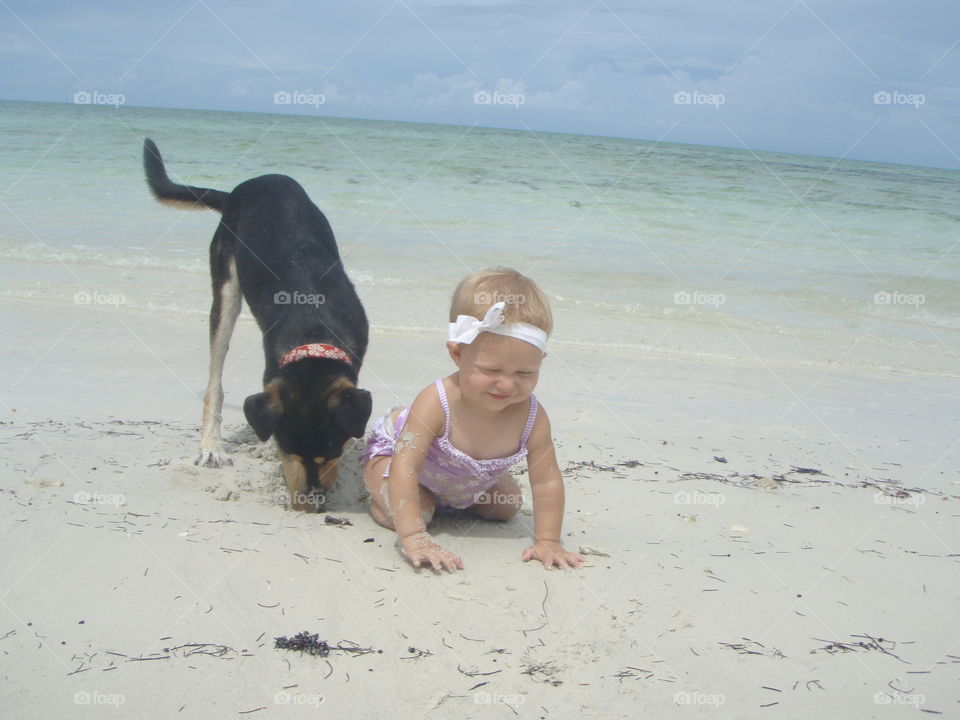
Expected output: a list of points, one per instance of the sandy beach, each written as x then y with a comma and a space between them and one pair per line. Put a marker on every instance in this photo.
746, 220
763, 542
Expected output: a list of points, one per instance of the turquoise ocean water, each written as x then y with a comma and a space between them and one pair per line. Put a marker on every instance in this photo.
695, 252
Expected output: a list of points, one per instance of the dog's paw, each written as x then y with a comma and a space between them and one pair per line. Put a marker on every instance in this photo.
212, 459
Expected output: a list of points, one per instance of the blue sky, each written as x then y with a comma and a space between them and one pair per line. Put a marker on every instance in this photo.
874, 81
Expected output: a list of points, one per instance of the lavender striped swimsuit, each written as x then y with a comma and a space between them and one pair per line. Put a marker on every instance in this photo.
450, 474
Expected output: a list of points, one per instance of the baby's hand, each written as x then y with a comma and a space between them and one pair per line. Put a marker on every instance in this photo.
551, 553
420, 548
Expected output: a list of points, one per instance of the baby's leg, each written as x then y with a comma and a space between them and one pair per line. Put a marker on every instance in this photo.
501, 502
380, 495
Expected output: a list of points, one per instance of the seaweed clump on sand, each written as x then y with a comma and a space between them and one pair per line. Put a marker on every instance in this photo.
304, 642
312, 645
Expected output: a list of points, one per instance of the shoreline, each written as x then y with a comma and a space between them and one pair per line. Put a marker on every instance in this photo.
696, 340
83, 362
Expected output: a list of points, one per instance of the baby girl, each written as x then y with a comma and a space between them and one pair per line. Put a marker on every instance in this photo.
454, 445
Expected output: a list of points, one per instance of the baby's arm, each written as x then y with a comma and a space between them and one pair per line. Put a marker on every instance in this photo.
424, 422
546, 484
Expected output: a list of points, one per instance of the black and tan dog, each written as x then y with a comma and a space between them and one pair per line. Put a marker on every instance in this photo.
275, 249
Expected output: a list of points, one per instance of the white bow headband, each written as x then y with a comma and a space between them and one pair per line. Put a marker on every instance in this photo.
467, 327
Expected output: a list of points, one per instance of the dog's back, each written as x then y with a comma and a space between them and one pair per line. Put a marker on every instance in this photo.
289, 266
285, 255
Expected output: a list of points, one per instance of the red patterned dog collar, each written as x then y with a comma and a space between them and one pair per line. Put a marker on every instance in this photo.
315, 350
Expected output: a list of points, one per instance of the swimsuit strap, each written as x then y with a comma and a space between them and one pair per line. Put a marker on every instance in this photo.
446, 407
531, 418
528, 428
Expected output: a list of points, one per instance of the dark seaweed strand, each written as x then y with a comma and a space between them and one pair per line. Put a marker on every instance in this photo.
304, 642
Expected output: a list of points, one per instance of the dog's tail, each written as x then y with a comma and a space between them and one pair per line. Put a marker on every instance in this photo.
169, 192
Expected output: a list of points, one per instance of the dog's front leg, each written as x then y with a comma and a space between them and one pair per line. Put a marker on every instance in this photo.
227, 301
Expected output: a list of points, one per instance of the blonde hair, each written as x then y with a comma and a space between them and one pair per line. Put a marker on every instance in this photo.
524, 300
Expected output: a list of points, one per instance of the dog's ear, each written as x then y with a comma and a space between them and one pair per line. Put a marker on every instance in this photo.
353, 411
264, 411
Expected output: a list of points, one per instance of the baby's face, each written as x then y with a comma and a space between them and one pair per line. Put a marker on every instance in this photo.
497, 371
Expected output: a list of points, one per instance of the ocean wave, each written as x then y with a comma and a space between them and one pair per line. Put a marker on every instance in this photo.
38, 253
947, 322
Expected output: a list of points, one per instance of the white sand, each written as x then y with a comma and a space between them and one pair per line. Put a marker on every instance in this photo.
133, 583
